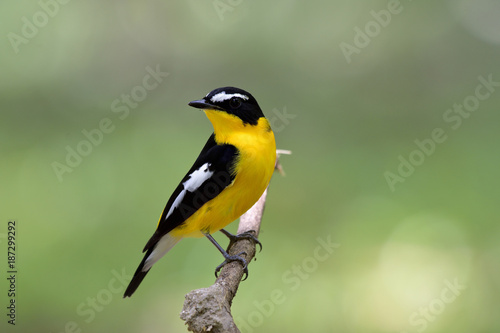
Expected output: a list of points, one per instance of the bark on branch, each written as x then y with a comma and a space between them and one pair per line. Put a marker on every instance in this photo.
209, 309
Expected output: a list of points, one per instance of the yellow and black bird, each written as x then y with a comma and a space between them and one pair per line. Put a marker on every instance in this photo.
228, 177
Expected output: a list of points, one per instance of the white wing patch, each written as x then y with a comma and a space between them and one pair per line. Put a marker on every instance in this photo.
194, 181
198, 177
222, 96
176, 203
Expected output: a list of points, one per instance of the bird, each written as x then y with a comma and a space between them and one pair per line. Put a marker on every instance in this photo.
230, 174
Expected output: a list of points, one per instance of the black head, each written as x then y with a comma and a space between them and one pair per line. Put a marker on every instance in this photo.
232, 100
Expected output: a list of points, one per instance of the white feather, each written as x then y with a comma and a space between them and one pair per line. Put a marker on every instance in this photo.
222, 96
176, 203
162, 247
197, 178
194, 181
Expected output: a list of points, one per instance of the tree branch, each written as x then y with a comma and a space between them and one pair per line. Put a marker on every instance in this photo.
209, 309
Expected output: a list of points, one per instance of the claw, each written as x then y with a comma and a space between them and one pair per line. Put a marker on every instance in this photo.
229, 259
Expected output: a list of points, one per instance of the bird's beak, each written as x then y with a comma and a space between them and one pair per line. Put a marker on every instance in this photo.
204, 105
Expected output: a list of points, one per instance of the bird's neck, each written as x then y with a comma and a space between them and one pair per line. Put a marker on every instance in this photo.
231, 129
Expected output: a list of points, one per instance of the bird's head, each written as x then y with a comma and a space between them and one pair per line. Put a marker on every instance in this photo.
230, 105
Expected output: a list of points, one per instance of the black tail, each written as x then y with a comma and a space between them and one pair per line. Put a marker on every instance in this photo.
138, 276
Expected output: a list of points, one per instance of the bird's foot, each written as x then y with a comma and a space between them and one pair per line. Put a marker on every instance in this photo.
228, 258
245, 235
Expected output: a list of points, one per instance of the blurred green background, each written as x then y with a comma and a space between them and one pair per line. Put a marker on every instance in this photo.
349, 89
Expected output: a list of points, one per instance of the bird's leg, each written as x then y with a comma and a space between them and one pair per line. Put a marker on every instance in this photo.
228, 258
244, 235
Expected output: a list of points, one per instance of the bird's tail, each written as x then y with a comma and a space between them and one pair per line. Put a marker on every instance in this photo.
153, 254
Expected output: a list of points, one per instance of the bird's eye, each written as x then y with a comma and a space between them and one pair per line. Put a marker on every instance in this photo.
235, 102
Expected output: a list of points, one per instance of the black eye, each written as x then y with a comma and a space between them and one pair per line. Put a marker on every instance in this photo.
235, 102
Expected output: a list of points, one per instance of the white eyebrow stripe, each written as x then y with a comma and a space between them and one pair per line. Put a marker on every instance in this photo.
222, 96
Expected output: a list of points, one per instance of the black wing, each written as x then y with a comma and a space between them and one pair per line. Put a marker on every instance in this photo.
211, 173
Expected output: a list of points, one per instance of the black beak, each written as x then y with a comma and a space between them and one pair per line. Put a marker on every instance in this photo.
203, 104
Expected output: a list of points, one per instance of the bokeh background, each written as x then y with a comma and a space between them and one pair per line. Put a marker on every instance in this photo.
412, 254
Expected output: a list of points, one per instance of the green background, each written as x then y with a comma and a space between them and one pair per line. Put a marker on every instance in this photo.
348, 123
